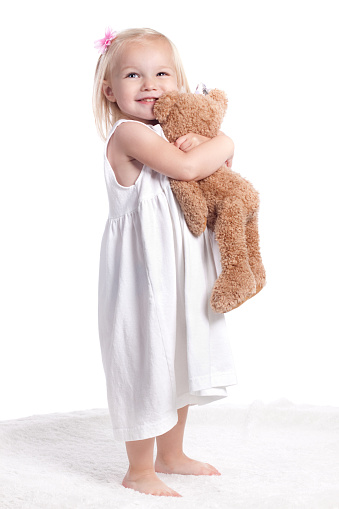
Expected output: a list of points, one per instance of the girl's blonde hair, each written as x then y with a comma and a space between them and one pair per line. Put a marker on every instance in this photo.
107, 113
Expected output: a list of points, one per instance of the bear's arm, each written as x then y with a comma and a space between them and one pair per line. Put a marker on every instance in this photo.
193, 204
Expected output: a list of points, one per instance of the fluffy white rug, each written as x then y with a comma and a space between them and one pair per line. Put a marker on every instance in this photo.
274, 456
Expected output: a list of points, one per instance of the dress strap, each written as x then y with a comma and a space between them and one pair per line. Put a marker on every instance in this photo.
121, 121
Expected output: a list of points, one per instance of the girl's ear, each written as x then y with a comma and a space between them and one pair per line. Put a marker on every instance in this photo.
108, 92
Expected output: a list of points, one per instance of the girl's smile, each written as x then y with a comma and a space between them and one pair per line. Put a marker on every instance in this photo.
148, 100
143, 73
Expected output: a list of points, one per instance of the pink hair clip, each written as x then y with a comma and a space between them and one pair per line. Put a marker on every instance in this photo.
102, 44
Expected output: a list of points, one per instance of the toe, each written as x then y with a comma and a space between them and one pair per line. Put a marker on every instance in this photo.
172, 493
213, 470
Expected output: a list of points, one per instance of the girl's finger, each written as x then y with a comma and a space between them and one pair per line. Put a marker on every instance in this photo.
180, 141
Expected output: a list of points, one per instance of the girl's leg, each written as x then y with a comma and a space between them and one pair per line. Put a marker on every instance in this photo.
170, 456
141, 475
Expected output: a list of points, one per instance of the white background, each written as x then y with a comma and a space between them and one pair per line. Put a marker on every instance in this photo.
278, 63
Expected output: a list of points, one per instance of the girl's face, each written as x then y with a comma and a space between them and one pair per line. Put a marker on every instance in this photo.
143, 72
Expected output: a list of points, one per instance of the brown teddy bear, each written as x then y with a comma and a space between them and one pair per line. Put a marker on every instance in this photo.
225, 201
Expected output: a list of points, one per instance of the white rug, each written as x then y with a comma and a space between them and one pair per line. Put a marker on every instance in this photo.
275, 456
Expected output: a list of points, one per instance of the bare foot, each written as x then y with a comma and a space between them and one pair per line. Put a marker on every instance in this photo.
149, 483
184, 465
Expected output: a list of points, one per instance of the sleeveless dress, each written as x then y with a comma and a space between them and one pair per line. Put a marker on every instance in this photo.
162, 345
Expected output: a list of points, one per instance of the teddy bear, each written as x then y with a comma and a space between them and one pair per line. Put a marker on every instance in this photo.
226, 202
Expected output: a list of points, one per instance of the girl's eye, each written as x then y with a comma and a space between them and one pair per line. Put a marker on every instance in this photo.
162, 73
132, 75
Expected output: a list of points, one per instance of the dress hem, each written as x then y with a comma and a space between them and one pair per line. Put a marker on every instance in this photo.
203, 382
191, 399
217, 391
145, 431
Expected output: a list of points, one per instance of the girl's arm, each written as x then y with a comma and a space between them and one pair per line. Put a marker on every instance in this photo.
136, 141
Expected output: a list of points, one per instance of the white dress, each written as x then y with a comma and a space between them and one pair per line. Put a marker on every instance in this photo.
162, 345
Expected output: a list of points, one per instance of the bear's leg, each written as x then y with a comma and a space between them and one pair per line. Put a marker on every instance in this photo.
253, 250
236, 282
193, 204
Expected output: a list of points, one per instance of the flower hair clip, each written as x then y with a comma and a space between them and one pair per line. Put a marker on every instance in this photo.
103, 44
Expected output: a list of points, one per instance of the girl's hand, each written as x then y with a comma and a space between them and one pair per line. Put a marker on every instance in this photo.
189, 141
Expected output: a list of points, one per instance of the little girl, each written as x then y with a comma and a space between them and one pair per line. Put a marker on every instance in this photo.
163, 348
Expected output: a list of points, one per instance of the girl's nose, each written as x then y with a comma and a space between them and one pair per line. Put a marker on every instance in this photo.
148, 84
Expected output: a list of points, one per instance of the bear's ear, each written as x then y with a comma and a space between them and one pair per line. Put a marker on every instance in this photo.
164, 104
219, 96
